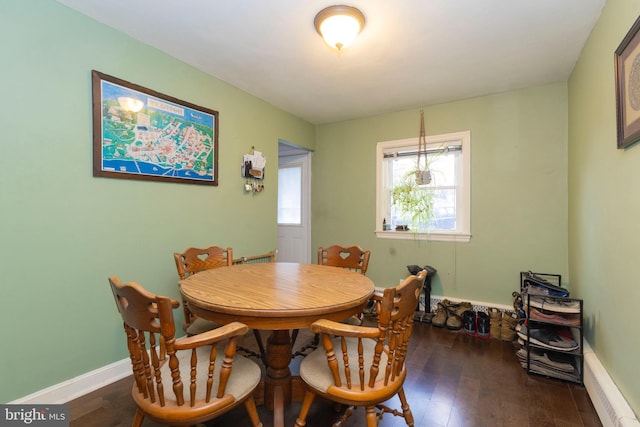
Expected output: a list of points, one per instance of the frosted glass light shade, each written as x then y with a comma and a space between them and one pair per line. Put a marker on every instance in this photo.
339, 25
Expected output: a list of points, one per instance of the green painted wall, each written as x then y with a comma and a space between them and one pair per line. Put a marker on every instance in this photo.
518, 181
604, 206
64, 232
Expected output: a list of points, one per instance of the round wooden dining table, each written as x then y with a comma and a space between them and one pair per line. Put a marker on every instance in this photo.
277, 297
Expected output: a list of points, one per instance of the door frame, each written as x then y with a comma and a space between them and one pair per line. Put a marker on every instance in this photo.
292, 154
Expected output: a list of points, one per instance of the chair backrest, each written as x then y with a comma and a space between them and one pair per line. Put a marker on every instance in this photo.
386, 366
194, 260
149, 326
257, 259
349, 257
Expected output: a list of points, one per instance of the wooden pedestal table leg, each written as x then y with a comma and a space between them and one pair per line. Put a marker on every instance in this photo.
277, 391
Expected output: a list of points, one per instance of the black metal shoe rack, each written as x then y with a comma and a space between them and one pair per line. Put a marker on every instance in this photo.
574, 357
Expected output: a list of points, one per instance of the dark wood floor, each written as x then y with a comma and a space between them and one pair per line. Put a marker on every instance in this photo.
454, 380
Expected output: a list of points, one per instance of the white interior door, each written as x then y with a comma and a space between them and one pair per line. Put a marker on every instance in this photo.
294, 200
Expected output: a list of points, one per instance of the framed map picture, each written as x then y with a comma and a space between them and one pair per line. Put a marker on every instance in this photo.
627, 63
142, 134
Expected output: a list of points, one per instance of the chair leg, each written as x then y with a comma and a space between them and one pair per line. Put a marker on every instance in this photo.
301, 421
406, 410
256, 333
137, 419
341, 421
372, 416
250, 406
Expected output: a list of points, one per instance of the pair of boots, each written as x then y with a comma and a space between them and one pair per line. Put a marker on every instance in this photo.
476, 324
450, 314
503, 324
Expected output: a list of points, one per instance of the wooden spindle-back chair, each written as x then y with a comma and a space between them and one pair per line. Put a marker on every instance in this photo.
351, 258
364, 366
195, 260
182, 381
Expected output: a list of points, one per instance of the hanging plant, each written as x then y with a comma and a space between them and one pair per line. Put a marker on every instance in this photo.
411, 196
422, 172
413, 201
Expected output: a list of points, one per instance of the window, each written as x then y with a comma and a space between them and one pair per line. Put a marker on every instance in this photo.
450, 163
290, 195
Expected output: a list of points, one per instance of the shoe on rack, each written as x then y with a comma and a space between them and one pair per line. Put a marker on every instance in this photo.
518, 304
440, 317
482, 324
557, 305
557, 361
469, 322
508, 325
565, 338
548, 338
571, 319
495, 317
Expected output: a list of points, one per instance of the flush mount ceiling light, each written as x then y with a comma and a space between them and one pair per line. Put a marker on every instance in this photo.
339, 25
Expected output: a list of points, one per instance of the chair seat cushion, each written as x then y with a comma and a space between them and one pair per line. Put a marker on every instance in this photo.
199, 326
245, 375
314, 369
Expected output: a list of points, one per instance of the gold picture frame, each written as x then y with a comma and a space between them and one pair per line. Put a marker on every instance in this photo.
627, 71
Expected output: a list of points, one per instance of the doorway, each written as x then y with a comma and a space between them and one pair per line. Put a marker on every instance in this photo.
294, 203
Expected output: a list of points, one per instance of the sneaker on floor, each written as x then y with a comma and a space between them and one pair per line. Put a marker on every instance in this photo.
482, 324
469, 322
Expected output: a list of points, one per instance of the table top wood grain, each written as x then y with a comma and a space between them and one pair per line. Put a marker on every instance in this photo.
276, 295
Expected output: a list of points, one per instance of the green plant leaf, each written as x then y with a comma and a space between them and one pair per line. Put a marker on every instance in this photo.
413, 200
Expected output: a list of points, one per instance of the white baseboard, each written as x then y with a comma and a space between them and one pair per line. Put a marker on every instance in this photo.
80, 385
611, 406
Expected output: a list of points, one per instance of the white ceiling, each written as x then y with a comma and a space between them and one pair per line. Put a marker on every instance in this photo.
411, 53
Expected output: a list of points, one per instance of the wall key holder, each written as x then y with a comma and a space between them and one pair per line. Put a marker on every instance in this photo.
253, 170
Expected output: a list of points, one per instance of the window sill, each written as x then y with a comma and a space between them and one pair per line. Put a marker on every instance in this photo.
433, 236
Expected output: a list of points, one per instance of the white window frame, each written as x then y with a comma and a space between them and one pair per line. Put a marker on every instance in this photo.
463, 200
